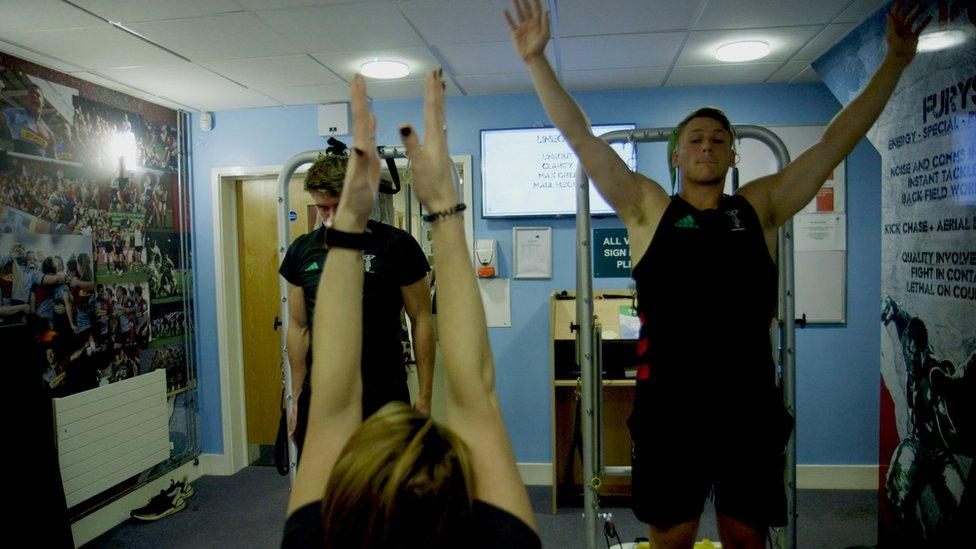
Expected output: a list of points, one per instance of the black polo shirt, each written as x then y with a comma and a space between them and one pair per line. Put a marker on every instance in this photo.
392, 260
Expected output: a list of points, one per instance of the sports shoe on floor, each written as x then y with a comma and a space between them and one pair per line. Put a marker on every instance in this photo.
162, 505
182, 486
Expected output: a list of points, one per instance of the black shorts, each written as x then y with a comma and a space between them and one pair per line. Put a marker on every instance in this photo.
679, 458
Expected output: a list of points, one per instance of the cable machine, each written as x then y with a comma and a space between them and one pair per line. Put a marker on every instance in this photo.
387, 153
589, 340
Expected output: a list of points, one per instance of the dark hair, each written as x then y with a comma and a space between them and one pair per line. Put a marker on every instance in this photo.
47, 266
327, 174
714, 113
917, 332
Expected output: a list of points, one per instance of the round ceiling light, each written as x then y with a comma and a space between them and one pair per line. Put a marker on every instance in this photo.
384, 69
746, 50
941, 40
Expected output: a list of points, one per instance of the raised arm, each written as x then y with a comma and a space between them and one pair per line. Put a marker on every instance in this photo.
778, 197
633, 196
416, 301
336, 405
297, 339
473, 411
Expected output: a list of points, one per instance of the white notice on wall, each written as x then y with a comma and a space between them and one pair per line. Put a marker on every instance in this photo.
495, 297
533, 252
820, 232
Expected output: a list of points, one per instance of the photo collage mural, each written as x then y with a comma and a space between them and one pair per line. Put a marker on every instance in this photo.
94, 238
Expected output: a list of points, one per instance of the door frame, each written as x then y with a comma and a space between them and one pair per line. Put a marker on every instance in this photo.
230, 346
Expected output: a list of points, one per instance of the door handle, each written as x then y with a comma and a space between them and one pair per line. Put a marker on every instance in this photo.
277, 323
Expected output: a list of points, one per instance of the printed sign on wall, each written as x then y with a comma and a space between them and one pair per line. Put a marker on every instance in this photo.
611, 253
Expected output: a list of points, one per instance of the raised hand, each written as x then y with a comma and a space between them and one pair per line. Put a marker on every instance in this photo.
430, 164
531, 34
362, 180
904, 28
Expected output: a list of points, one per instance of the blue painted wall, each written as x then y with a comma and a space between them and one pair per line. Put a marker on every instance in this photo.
837, 365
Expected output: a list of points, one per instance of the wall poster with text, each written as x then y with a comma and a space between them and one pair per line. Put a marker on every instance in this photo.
927, 140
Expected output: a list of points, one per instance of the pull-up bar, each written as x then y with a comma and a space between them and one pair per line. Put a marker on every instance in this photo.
588, 339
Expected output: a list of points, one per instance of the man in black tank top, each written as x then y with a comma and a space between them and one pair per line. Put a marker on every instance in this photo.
707, 416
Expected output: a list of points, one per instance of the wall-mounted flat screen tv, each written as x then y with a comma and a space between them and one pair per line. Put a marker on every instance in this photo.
531, 172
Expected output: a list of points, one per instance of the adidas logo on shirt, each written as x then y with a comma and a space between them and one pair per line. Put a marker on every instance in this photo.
687, 222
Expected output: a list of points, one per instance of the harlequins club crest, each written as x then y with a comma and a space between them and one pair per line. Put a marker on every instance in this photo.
368, 263
734, 218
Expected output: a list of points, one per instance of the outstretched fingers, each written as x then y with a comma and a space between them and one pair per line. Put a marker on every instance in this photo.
434, 110
363, 121
519, 11
409, 137
511, 22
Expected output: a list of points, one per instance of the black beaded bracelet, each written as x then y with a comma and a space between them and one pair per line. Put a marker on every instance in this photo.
436, 216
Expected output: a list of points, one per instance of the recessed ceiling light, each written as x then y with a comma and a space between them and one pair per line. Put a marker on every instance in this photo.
746, 50
941, 40
384, 69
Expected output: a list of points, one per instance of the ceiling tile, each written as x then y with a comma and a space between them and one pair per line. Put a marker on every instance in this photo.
228, 36
290, 70
726, 74
308, 95
403, 89
35, 15
269, 4
227, 100
485, 58
459, 21
486, 84
343, 27
93, 47
192, 85
783, 43
347, 64
113, 85
822, 42
859, 10
587, 17
133, 11
38, 58
643, 77
621, 51
788, 71
806, 76
747, 14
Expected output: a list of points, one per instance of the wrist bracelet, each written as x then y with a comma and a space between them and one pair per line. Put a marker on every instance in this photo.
446, 214
353, 241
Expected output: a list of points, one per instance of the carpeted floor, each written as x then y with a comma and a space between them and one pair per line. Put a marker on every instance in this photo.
248, 510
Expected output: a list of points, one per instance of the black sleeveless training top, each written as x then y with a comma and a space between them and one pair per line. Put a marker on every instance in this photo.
706, 291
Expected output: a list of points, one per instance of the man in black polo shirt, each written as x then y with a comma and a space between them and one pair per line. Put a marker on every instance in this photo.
395, 269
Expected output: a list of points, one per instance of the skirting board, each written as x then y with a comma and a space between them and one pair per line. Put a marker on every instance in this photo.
808, 477
216, 464
536, 474
837, 477
117, 512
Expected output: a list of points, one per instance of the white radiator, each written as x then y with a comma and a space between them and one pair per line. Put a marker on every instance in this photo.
109, 434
